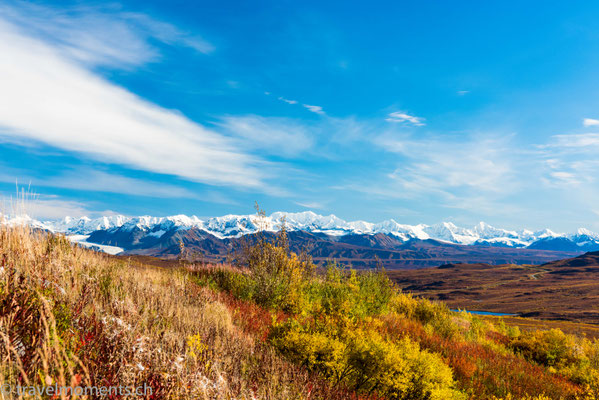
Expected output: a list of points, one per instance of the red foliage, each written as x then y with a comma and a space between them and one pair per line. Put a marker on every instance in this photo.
252, 318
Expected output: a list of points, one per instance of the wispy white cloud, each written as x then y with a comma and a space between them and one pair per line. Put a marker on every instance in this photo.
400, 116
312, 205
98, 181
463, 92
46, 207
101, 35
571, 177
565, 177
479, 164
569, 160
50, 97
287, 100
314, 109
564, 169
473, 173
279, 136
590, 122
575, 141
168, 33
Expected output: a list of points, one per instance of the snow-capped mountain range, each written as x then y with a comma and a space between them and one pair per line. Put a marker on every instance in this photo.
232, 226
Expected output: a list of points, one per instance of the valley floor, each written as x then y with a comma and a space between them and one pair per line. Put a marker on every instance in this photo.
564, 290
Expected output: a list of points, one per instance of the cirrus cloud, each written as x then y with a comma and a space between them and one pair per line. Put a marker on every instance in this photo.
50, 95
314, 109
400, 116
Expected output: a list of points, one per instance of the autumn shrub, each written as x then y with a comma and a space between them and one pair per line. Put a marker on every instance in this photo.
398, 369
433, 314
277, 274
479, 369
365, 361
508, 331
552, 348
574, 357
357, 295
427, 311
333, 326
477, 329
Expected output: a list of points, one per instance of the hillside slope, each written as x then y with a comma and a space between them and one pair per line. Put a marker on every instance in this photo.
73, 317
272, 330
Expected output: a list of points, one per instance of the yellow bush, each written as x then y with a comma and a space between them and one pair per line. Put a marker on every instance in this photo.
316, 351
398, 370
404, 304
551, 348
364, 360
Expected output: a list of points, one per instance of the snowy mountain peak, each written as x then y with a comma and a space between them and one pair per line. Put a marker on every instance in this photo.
232, 225
585, 232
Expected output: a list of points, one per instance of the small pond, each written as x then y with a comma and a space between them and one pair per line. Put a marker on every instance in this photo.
497, 314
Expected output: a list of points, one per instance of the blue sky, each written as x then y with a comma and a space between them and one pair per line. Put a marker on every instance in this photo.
418, 111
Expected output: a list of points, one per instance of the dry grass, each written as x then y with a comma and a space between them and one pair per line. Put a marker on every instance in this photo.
70, 316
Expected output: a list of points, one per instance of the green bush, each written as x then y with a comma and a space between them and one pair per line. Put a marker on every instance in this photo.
375, 292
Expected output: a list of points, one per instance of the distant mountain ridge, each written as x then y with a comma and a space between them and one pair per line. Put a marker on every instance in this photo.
145, 232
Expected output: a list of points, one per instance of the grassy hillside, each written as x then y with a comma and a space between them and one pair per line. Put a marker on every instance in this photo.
275, 329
